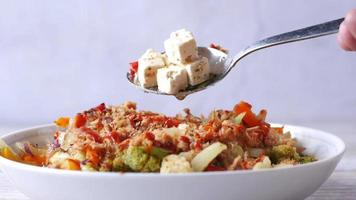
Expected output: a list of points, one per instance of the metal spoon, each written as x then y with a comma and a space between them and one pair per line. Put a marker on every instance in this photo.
221, 65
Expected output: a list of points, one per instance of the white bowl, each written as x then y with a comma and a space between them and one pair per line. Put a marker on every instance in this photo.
296, 182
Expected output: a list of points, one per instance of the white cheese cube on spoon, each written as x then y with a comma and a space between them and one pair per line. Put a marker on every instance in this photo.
181, 47
172, 79
198, 71
148, 65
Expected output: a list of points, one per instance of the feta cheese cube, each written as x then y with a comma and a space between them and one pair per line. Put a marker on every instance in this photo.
148, 65
181, 47
172, 79
198, 71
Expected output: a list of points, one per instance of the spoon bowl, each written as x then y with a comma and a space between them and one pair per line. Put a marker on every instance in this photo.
218, 62
221, 65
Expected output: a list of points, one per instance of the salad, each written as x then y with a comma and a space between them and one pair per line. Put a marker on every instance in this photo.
123, 139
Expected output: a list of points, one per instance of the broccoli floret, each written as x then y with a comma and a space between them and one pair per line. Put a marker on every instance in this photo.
306, 159
282, 152
136, 159
153, 165
118, 163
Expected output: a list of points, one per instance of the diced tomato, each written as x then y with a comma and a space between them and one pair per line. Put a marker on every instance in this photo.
212, 168
72, 164
92, 133
80, 120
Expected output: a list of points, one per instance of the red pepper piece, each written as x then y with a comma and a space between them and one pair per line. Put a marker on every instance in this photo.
92, 133
133, 69
80, 120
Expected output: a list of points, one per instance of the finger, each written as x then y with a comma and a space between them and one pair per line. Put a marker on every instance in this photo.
345, 39
350, 22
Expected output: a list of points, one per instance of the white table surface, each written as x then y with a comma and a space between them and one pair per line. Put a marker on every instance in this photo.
341, 184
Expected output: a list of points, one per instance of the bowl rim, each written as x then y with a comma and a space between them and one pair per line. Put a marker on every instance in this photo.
341, 147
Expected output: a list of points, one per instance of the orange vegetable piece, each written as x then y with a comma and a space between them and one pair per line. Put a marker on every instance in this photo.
250, 119
72, 164
92, 155
34, 160
62, 122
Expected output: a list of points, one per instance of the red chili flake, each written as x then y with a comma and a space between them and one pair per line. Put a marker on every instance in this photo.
92, 133
80, 120
184, 139
150, 136
133, 69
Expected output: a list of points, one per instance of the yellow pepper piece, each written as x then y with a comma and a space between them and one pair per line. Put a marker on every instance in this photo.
6, 152
62, 122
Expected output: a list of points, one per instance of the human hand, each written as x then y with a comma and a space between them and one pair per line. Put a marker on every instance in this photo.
347, 32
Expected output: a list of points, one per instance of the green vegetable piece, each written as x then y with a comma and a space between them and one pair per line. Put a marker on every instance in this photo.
238, 118
306, 159
118, 163
159, 153
282, 152
153, 165
88, 168
135, 158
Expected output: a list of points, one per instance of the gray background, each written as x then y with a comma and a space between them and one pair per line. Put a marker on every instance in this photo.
60, 57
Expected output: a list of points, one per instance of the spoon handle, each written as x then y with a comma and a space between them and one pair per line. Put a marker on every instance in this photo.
318, 30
